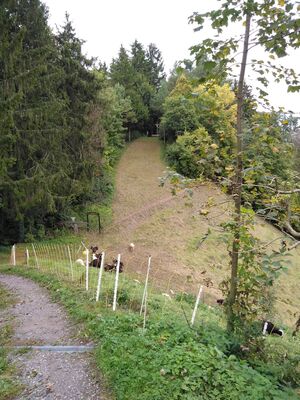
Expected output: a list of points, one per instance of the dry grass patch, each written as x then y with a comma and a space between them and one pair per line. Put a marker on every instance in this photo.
171, 230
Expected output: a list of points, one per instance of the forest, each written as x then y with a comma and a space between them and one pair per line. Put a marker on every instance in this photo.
65, 119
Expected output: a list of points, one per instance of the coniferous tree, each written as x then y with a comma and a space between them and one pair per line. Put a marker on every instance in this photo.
156, 66
80, 88
32, 115
140, 74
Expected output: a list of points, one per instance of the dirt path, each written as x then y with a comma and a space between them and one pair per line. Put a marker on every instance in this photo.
137, 178
38, 321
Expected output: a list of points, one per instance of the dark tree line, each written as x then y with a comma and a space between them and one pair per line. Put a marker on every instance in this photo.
141, 72
63, 121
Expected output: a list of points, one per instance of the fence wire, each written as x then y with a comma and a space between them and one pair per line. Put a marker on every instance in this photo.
162, 296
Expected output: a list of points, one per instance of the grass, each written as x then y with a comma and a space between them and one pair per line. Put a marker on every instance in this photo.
171, 231
169, 360
8, 386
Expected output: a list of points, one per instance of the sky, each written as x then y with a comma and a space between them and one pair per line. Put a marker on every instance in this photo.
105, 25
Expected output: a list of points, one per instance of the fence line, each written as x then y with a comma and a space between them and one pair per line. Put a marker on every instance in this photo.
117, 289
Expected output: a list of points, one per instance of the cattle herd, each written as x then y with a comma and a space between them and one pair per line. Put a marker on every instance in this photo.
96, 261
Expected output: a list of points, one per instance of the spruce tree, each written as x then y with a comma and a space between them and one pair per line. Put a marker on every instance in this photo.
79, 86
33, 119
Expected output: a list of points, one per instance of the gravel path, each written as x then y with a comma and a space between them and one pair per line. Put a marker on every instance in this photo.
47, 375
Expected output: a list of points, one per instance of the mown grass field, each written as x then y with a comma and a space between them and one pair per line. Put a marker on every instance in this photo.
171, 229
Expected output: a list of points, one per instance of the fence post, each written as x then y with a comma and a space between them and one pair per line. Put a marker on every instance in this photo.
196, 305
116, 283
27, 257
13, 255
100, 276
35, 256
71, 264
87, 270
146, 285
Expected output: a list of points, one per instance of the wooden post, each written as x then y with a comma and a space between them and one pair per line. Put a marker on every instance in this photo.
116, 283
196, 305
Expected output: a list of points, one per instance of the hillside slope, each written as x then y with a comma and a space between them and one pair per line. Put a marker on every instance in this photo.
171, 230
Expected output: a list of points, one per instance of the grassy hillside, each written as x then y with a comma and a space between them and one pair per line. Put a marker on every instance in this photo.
171, 229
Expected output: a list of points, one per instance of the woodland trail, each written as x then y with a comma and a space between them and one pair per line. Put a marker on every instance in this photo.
36, 320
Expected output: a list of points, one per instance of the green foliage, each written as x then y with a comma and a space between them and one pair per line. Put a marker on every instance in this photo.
140, 73
169, 360
179, 117
8, 386
207, 150
279, 360
268, 165
274, 28
257, 272
194, 154
32, 111
63, 124
175, 364
268, 155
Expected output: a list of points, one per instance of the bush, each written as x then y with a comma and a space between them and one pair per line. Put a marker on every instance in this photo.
194, 154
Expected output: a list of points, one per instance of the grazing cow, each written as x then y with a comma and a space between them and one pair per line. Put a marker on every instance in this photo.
113, 266
271, 329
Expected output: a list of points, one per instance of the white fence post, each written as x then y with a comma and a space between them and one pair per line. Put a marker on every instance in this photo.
27, 257
116, 283
13, 255
35, 256
196, 305
100, 276
87, 270
146, 285
71, 264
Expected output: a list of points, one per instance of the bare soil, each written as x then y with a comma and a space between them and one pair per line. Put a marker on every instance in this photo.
171, 229
36, 320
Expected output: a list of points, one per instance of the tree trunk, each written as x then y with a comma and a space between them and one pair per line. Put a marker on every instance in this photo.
238, 183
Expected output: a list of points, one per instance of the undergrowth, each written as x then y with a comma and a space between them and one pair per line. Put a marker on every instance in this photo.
169, 360
8, 387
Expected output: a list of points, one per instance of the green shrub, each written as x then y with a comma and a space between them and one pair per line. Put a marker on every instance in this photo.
194, 154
